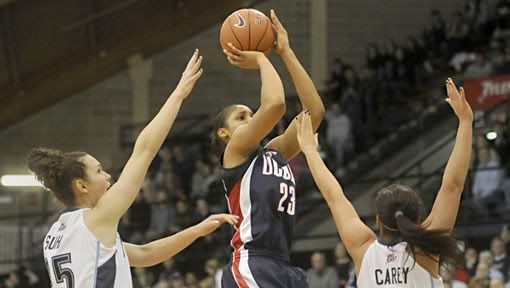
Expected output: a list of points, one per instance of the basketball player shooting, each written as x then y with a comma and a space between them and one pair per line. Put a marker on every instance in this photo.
258, 181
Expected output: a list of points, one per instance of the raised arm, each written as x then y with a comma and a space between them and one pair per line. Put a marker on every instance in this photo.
272, 102
446, 206
158, 251
306, 90
355, 235
115, 202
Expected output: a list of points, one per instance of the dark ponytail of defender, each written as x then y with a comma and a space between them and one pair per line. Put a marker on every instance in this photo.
57, 171
399, 209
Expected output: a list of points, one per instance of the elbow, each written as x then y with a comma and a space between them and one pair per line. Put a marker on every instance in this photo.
318, 113
453, 186
278, 108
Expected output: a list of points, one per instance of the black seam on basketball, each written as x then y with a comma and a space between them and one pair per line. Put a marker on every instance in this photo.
233, 33
262, 38
249, 31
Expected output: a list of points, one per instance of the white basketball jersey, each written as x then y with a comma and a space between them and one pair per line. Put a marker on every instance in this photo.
75, 258
392, 267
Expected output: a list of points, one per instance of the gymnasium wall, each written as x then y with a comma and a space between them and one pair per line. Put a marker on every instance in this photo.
90, 120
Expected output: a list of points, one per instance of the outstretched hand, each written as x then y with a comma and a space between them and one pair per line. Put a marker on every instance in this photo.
457, 100
190, 76
243, 59
282, 37
213, 222
306, 139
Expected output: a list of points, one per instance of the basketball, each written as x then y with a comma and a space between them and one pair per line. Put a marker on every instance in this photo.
248, 30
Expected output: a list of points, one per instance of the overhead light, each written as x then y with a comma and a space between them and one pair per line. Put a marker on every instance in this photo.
491, 135
20, 181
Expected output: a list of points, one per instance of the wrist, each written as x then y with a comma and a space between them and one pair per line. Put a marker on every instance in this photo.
309, 150
195, 231
287, 53
178, 95
466, 120
262, 59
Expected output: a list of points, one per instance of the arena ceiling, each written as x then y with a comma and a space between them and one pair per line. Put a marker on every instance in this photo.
51, 49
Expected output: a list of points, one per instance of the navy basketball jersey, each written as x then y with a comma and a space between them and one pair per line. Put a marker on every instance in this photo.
262, 193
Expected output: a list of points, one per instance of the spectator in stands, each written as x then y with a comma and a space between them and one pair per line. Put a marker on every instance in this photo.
338, 133
416, 56
485, 258
201, 179
403, 73
336, 79
182, 214
447, 274
502, 21
201, 211
487, 179
375, 61
482, 277
162, 212
501, 261
504, 67
320, 275
12, 281
343, 265
497, 283
435, 36
212, 267
352, 106
191, 280
471, 261
480, 68
139, 217
457, 34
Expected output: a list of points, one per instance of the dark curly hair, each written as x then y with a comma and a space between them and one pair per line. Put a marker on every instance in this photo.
57, 170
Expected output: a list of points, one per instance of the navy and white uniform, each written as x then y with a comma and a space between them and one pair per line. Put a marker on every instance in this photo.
387, 266
262, 193
75, 258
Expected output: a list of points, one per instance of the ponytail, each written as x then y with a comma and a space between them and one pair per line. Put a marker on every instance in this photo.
431, 242
399, 209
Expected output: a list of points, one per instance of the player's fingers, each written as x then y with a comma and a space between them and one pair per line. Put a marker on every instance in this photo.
193, 59
462, 94
233, 62
234, 49
197, 74
195, 67
275, 20
231, 55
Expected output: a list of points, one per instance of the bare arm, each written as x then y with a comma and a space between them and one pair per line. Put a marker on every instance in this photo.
446, 206
355, 235
272, 106
306, 90
115, 202
158, 251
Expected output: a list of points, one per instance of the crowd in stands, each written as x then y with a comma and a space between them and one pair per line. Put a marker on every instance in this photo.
363, 104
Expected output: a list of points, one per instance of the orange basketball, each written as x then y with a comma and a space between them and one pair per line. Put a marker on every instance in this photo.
248, 30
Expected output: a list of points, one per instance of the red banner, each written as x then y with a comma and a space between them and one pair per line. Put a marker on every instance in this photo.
487, 92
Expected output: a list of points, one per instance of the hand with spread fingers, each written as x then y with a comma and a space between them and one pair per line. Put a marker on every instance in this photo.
213, 222
282, 37
190, 75
306, 138
243, 59
457, 100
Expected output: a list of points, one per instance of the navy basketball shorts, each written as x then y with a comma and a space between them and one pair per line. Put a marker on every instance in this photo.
262, 272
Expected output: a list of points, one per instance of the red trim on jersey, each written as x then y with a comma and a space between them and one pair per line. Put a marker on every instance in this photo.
236, 242
235, 209
235, 269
